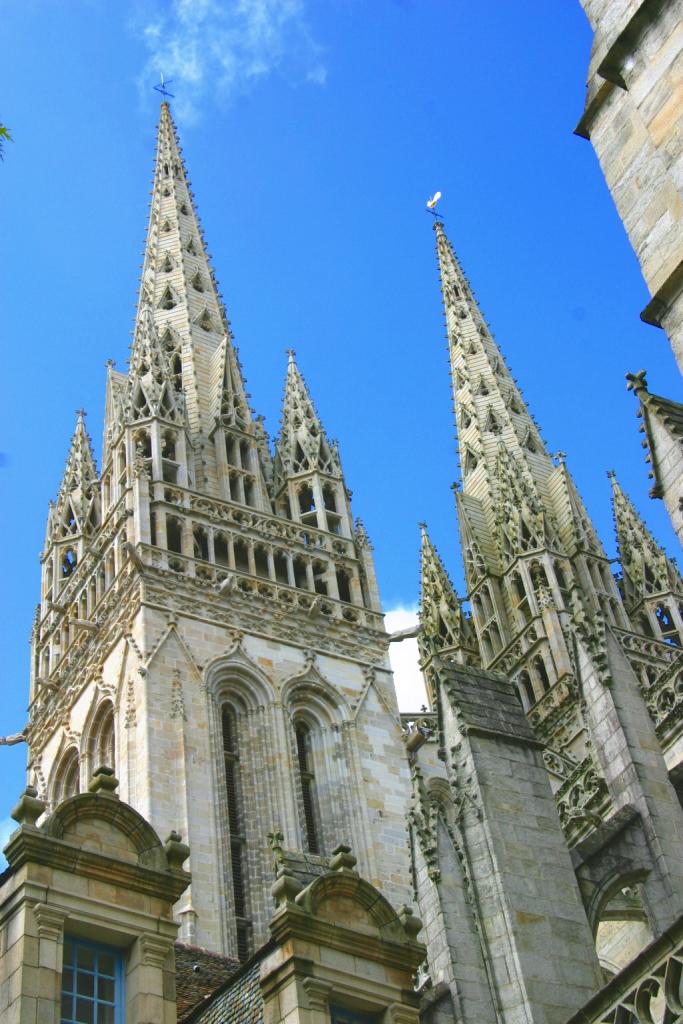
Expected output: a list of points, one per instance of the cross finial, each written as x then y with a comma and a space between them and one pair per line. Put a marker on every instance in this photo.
161, 87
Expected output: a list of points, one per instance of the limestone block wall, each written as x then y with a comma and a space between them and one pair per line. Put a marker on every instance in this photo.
167, 681
633, 117
93, 871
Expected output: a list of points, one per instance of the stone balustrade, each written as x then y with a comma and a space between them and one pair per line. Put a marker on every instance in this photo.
648, 991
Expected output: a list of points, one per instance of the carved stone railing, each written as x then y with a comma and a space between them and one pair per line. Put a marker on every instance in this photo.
551, 705
583, 802
254, 522
664, 699
648, 658
647, 991
288, 598
509, 659
646, 647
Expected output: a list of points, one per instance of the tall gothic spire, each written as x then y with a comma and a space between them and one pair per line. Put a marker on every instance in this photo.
513, 498
504, 461
179, 285
303, 446
444, 627
76, 511
153, 387
647, 569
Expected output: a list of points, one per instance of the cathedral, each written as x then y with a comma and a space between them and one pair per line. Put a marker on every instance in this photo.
227, 818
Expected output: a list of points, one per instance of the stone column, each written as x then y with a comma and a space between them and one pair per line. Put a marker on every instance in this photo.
148, 998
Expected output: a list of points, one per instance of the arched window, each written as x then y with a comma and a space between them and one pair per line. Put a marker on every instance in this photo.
67, 782
622, 929
521, 598
220, 549
344, 585
307, 780
200, 543
236, 829
329, 498
102, 745
306, 500
174, 535
542, 672
261, 561
667, 626
526, 690
241, 555
563, 585
69, 562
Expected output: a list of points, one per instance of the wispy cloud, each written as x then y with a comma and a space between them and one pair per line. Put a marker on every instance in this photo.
222, 48
410, 688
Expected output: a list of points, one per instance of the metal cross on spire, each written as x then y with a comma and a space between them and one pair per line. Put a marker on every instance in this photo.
161, 87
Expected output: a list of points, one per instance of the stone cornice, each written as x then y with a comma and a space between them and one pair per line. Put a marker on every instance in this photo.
30, 845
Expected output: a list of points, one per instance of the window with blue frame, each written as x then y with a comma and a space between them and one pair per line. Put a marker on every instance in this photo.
340, 1015
92, 984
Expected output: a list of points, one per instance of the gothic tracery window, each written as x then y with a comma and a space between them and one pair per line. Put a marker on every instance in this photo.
236, 828
102, 742
307, 782
667, 626
67, 782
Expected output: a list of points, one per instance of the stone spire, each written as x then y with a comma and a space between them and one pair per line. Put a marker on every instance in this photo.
230, 403
153, 389
76, 510
444, 626
648, 572
308, 479
179, 285
303, 446
505, 465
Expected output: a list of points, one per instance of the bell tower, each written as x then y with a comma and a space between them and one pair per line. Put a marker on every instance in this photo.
209, 625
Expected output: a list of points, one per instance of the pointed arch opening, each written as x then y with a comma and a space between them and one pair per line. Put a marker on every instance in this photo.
667, 625
236, 827
311, 826
66, 780
69, 563
541, 672
526, 690
102, 742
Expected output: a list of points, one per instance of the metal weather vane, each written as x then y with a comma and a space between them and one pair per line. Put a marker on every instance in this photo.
431, 206
161, 87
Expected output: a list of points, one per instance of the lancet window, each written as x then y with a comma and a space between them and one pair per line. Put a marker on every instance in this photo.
541, 672
200, 543
667, 626
102, 742
66, 782
174, 535
521, 598
236, 827
344, 585
307, 782
69, 563
526, 690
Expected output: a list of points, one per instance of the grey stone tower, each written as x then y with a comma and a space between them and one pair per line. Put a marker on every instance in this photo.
210, 625
589, 664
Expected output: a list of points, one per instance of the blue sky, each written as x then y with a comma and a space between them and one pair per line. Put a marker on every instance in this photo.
313, 133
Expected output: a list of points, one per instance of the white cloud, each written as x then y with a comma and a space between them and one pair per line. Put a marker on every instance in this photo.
221, 48
410, 688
